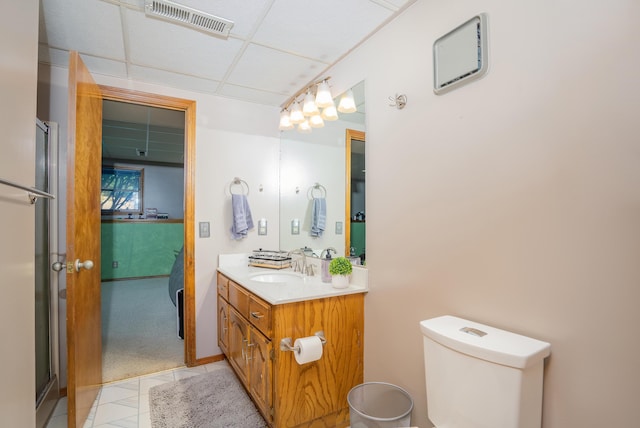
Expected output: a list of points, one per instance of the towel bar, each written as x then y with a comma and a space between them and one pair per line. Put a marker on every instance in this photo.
320, 188
34, 194
239, 182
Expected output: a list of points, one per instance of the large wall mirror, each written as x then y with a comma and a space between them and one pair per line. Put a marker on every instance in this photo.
316, 165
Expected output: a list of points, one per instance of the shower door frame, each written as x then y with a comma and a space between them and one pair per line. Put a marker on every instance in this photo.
51, 392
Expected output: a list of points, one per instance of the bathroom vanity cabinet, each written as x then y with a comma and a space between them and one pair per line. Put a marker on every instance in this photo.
289, 394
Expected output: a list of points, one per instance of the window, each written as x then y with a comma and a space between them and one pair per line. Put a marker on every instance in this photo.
121, 190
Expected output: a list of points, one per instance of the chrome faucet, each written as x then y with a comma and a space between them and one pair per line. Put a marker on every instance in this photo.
297, 267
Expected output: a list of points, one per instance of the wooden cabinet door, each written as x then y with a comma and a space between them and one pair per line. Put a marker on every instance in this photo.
260, 378
261, 372
238, 341
223, 324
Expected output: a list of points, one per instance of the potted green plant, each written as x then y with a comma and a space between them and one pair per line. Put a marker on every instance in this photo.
340, 269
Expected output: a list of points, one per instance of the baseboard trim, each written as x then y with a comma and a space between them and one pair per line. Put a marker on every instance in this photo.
208, 360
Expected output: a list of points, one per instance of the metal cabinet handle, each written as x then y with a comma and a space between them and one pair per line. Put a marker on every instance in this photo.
249, 354
257, 315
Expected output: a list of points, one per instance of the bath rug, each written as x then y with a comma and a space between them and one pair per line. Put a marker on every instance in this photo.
211, 400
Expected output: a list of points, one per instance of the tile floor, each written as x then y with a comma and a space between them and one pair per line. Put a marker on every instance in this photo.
125, 403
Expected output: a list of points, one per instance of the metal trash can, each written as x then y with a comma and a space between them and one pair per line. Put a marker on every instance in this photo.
379, 405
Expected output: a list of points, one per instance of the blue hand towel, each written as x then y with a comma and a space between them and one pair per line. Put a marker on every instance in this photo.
242, 221
318, 216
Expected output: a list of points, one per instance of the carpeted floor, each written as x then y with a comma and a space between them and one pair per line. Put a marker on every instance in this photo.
139, 329
212, 400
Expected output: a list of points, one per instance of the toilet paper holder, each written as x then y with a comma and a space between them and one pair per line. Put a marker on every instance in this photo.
286, 343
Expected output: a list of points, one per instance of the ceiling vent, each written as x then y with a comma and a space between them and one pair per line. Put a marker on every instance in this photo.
184, 15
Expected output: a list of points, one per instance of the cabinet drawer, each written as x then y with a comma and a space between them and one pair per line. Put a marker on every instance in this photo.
260, 315
239, 299
223, 286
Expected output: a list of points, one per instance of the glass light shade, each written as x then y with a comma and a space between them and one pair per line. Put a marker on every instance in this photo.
296, 114
304, 127
347, 103
316, 121
285, 121
330, 113
309, 107
323, 95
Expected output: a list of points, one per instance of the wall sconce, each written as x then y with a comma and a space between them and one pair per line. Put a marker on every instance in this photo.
315, 109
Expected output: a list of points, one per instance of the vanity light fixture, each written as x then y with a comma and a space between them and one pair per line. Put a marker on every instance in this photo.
330, 113
323, 95
296, 115
285, 120
316, 121
347, 103
315, 109
304, 127
309, 107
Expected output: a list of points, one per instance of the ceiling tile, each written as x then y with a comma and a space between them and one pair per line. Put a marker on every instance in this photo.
173, 80
173, 47
324, 33
269, 69
91, 27
243, 14
253, 95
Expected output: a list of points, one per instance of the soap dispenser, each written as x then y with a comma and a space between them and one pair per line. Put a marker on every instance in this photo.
325, 261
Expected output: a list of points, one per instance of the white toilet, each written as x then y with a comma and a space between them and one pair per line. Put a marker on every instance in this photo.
482, 377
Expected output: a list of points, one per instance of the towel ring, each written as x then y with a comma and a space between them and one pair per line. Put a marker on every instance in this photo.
238, 182
320, 188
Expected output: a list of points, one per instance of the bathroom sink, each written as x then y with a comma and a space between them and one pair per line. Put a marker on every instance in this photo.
272, 277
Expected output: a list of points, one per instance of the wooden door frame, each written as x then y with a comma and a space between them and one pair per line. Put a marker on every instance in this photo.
189, 108
351, 134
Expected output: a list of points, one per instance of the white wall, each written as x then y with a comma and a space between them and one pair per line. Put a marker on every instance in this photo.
18, 76
513, 201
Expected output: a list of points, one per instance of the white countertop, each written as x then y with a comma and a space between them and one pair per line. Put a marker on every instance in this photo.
236, 267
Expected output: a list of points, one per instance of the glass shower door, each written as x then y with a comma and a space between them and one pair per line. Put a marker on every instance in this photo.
46, 388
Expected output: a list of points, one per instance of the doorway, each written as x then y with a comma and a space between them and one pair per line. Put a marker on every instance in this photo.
142, 236
188, 107
355, 234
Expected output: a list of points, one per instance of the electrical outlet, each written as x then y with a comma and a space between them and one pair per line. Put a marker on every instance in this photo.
114, 264
338, 228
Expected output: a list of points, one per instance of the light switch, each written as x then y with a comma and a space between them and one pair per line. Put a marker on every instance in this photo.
338, 228
204, 229
262, 226
295, 226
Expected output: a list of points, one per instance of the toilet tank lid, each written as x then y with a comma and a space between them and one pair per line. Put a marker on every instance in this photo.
485, 342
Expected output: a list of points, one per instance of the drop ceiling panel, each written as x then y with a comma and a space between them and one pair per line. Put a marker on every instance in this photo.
244, 14
253, 95
104, 66
275, 47
324, 32
269, 69
174, 80
393, 3
167, 46
90, 27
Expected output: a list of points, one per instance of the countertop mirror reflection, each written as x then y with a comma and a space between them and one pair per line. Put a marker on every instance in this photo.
315, 165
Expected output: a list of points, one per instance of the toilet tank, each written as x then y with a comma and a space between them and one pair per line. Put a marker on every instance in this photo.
482, 377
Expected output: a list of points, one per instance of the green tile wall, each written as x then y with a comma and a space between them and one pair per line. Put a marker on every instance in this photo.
140, 248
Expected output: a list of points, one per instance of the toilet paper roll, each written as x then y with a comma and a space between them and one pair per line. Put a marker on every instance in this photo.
309, 349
